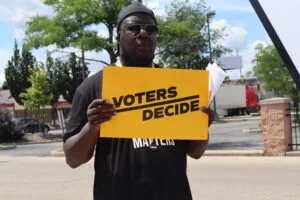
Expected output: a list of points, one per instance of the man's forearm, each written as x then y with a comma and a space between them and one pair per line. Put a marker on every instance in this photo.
80, 148
196, 148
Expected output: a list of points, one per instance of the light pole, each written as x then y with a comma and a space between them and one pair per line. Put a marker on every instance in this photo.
210, 15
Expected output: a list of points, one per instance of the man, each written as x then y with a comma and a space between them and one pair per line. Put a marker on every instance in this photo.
122, 171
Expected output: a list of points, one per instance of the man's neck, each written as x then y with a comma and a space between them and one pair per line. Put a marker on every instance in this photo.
127, 61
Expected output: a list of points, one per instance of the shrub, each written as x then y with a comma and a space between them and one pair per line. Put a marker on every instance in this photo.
7, 127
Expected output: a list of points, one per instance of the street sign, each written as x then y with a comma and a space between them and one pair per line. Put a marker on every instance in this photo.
230, 62
281, 19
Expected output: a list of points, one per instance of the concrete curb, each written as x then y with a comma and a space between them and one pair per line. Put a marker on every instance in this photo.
60, 153
8, 147
252, 130
234, 153
57, 153
44, 142
292, 153
240, 119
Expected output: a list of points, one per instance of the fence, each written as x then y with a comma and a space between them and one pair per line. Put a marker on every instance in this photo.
294, 114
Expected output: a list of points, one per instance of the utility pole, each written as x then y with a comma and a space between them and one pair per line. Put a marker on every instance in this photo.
210, 15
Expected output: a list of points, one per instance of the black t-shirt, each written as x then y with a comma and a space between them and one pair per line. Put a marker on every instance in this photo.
131, 169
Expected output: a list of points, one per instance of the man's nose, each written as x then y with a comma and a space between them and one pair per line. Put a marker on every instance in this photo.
143, 32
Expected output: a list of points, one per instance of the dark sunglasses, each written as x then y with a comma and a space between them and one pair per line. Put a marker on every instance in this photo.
135, 29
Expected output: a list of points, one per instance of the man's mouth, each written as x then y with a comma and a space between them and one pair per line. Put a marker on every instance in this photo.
143, 44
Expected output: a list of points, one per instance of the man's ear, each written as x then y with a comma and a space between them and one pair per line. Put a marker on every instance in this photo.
118, 37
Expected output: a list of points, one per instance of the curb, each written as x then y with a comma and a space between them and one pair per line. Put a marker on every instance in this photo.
60, 153
241, 119
57, 153
292, 153
44, 142
252, 130
8, 147
233, 153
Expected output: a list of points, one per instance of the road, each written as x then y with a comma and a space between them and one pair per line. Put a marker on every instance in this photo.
226, 136
211, 178
32, 149
230, 136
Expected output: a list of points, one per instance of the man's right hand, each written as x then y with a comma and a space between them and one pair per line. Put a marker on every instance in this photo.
80, 148
100, 111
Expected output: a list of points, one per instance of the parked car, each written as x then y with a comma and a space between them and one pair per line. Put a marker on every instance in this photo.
28, 125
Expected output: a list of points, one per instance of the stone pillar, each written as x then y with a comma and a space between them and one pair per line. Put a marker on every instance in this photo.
276, 126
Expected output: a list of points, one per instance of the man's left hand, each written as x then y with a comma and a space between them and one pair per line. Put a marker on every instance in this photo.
210, 113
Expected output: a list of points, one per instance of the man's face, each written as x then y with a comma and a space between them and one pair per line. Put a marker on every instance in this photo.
138, 38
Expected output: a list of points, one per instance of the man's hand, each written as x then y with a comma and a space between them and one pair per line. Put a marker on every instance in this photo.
210, 113
80, 147
100, 111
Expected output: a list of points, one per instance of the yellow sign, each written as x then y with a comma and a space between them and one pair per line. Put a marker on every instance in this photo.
156, 103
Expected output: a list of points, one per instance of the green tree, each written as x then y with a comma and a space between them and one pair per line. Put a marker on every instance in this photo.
8, 130
77, 74
5, 86
17, 72
39, 94
65, 77
71, 26
270, 69
183, 41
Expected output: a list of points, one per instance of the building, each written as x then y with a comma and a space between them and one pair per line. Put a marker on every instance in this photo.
45, 114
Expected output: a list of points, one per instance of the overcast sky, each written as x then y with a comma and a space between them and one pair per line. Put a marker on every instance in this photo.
244, 29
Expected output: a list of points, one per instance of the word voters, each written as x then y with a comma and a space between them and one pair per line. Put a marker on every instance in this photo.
156, 103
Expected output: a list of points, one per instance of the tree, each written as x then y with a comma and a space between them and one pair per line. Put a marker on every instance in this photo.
65, 77
17, 72
70, 27
183, 41
77, 72
270, 69
39, 94
5, 86
8, 130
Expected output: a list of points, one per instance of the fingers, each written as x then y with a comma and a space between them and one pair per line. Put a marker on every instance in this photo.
210, 113
100, 111
101, 104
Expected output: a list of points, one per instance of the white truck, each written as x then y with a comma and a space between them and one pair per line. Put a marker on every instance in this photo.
235, 99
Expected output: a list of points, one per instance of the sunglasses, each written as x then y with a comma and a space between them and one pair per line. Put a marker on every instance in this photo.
135, 29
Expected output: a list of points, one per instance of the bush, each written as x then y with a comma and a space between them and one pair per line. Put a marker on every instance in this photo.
7, 127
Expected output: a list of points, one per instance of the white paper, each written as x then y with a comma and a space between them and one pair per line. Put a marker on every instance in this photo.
216, 78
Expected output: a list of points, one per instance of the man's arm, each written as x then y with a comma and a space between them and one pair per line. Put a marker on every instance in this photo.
196, 148
80, 148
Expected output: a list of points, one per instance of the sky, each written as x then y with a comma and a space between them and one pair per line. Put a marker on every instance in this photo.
244, 29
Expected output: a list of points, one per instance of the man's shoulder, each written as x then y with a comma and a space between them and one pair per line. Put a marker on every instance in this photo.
93, 81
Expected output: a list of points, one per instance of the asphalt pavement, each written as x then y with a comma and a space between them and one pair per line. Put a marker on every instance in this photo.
235, 136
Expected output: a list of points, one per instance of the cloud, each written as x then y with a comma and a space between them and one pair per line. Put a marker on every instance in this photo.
18, 12
236, 41
63, 55
19, 33
248, 55
235, 36
157, 7
5, 12
230, 6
